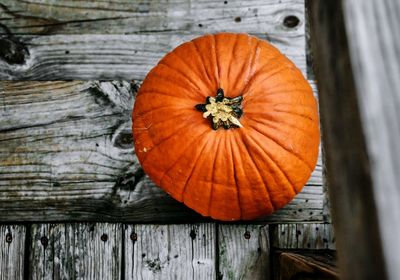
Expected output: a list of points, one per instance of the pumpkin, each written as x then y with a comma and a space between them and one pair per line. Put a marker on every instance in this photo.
227, 125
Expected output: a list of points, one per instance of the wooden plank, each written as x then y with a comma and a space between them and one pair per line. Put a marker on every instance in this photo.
303, 236
243, 252
284, 236
12, 252
68, 145
127, 17
170, 251
301, 265
83, 57
76, 251
357, 52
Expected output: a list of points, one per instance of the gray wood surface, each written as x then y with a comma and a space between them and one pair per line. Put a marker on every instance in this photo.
170, 251
126, 17
244, 252
75, 251
95, 56
66, 154
12, 252
357, 52
67, 145
58, 40
303, 236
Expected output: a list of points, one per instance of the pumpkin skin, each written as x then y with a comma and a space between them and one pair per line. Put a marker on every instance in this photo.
227, 174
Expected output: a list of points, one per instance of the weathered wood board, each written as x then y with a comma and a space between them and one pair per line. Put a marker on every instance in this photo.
68, 145
12, 252
303, 236
75, 251
244, 252
175, 251
170, 251
59, 40
305, 265
83, 57
126, 17
357, 54
66, 154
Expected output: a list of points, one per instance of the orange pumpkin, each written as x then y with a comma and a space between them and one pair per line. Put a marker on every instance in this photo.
227, 125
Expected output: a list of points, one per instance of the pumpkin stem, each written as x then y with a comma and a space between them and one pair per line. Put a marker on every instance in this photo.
222, 111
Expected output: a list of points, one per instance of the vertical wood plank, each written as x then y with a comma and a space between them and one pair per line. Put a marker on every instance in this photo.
170, 251
243, 252
76, 251
315, 236
357, 49
12, 251
284, 236
374, 47
303, 236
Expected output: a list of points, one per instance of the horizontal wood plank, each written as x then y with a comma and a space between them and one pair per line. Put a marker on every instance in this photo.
126, 17
75, 251
12, 252
305, 265
104, 57
303, 236
66, 154
170, 251
244, 252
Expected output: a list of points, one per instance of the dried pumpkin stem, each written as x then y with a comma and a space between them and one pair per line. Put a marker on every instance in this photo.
222, 111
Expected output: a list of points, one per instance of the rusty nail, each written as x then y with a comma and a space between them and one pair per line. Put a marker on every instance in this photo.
247, 234
133, 236
44, 240
9, 238
104, 237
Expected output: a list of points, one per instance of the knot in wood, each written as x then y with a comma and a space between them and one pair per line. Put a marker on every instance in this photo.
12, 51
291, 21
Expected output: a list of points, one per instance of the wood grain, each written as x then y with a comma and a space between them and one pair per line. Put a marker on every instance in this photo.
170, 251
244, 252
105, 57
12, 252
126, 17
65, 40
68, 146
357, 54
300, 265
303, 236
75, 251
